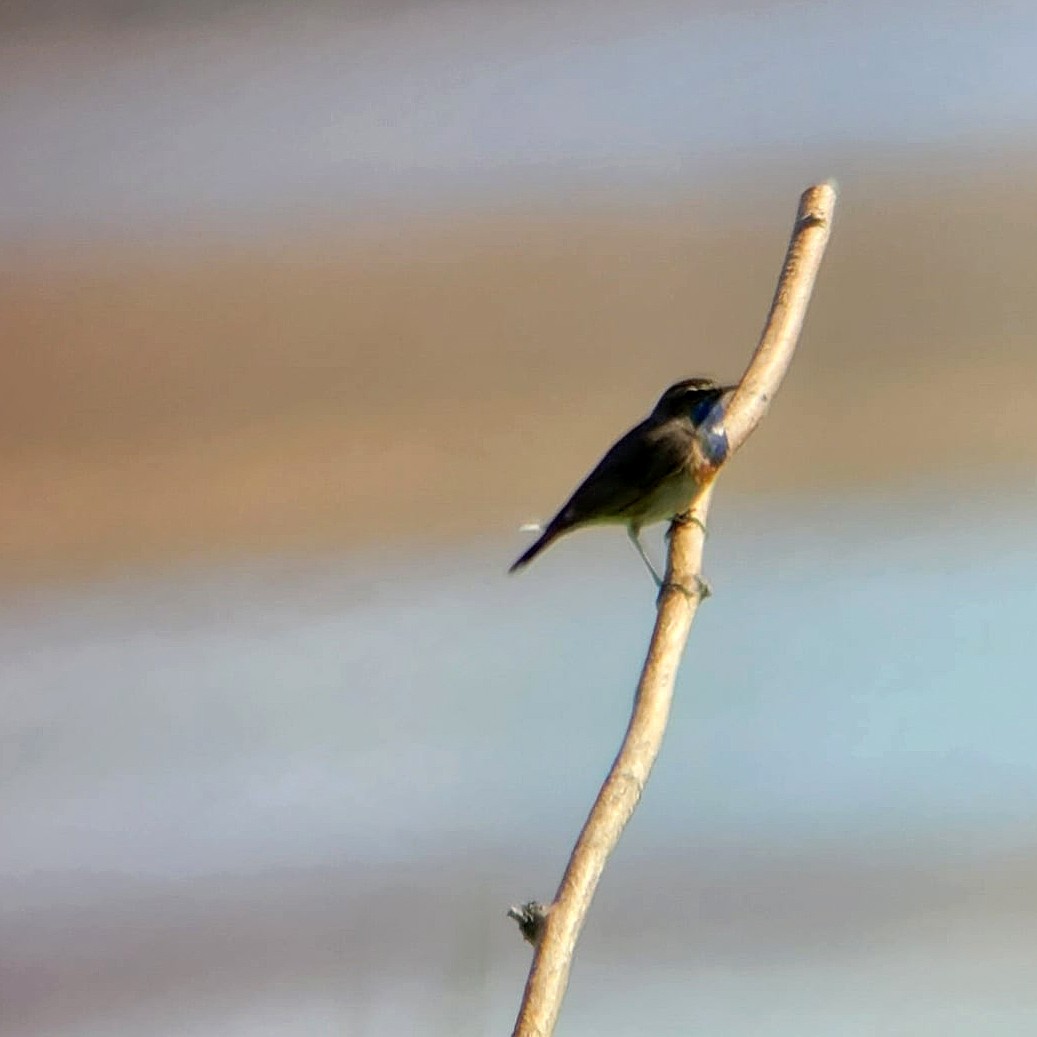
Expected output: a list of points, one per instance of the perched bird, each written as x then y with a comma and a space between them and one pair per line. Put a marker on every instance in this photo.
646, 476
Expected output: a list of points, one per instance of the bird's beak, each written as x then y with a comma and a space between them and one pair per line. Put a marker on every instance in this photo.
729, 388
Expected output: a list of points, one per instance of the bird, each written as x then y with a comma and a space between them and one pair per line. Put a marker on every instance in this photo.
645, 477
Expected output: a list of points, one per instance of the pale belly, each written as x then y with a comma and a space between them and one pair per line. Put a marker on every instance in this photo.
669, 499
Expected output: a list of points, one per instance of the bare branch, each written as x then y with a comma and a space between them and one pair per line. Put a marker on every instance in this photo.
780, 335
678, 603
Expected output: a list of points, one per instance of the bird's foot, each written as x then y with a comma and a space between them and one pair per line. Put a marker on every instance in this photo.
700, 593
686, 518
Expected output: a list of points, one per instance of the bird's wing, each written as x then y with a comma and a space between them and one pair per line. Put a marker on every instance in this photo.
633, 468
637, 465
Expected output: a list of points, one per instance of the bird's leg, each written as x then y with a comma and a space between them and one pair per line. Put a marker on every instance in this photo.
702, 587
634, 532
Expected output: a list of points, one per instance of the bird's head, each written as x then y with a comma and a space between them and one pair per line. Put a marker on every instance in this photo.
692, 398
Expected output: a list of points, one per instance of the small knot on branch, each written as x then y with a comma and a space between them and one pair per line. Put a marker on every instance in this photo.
531, 918
810, 219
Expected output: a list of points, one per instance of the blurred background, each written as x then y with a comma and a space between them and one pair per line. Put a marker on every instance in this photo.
306, 308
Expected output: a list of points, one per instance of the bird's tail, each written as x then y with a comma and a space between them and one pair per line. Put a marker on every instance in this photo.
548, 537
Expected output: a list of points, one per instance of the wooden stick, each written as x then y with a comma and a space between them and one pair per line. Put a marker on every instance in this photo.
678, 602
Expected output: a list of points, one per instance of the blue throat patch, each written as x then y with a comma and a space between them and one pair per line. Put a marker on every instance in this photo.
708, 416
